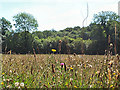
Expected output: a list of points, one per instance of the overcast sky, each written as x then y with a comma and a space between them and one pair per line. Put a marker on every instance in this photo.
57, 14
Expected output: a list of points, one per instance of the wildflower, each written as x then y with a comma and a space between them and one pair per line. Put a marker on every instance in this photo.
66, 84
61, 63
22, 84
71, 79
111, 45
85, 65
75, 86
111, 86
111, 62
97, 72
71, 68
2, 83
90, 86
48, 83
19, 87
16, 84
10, 71
53, 50
113, 73
98, 81
78, 65
3, 73
3, 79
90, 66
8, 80
9, 86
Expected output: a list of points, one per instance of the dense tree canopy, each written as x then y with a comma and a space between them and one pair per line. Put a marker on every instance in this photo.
92, 39
25, 22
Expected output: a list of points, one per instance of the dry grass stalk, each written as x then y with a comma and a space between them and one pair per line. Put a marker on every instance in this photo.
115, 41
108, 45
60, 42
109, 75
65, 67
34, 54
53, 68
32, 70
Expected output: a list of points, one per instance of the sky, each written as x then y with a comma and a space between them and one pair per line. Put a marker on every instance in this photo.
57, 14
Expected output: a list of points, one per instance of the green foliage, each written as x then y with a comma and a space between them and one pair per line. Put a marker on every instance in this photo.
5, 26
92, 39
25, 22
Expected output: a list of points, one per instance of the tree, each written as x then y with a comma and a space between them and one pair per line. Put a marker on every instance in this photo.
6, 27
25, 22
104, 18
103, 26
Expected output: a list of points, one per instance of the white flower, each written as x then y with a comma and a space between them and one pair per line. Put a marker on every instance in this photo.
22, 84
9, 86
8, 80
16, 84
3, 79
111, 45
90, 66
10, 71
90, 86
78, 65
19, 87
71, 79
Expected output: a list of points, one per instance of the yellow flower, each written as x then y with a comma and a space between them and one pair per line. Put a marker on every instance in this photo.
85, 65
113, 73
66, 83
71, 68
97, 72
53, 50
2, 83
75, 86
48, 83
111, 86
3, 73
98, 81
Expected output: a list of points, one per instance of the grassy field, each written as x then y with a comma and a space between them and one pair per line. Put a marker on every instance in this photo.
60, 71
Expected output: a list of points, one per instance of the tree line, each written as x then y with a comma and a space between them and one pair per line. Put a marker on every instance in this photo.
92, 39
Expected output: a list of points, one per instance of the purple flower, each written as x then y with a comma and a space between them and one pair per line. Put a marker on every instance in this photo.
61, 64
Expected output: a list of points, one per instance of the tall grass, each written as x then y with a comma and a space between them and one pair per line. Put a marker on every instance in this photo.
46, 71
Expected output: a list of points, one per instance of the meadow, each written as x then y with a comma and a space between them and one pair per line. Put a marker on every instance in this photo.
60, 71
